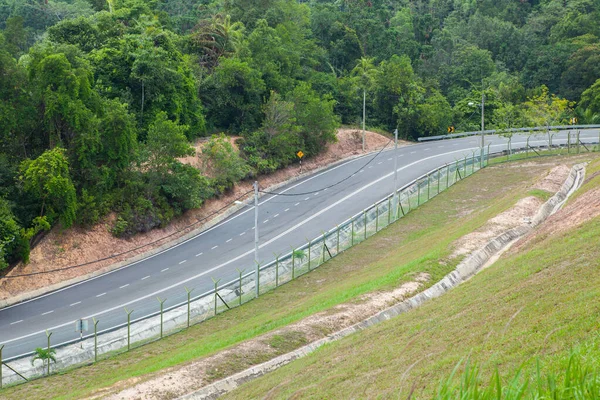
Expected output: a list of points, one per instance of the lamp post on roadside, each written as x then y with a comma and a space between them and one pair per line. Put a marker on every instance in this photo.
257, 272
395, 196
482, 105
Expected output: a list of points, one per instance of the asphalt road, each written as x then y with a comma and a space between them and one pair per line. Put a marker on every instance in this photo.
284, 221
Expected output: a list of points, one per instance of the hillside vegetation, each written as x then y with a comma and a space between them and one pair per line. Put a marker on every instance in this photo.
99, 98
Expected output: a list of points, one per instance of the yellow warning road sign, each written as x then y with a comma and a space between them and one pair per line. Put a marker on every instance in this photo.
300, 154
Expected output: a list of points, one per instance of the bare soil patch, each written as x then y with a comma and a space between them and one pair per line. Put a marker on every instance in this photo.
520, 213
75, 246
177, 381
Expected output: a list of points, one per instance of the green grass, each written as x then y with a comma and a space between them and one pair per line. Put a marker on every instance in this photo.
419, 242
540, 194
537, 306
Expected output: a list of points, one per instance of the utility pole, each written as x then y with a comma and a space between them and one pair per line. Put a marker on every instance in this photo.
256, 236
482, 117
395, 197
364, 117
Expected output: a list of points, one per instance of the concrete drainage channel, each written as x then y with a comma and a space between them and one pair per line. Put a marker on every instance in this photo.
475, 262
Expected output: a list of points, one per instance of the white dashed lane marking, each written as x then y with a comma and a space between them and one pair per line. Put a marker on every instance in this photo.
50, 312
214, 247
412, 152
307, 198
242, 234
146, 277
276, 215
379, 163
389, 159
296, 204
199, 254
16, 322
124, 286
316, 194
166, 269
265, 221
182, 262
228, 240
101, 294
286, 210
74, 304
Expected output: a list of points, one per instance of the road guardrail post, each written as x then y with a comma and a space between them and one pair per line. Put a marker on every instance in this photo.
365, 221
337, 243
376, 218
569, 142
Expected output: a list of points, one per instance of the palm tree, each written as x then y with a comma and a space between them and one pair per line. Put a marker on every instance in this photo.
218, 37
46, 355
364, 71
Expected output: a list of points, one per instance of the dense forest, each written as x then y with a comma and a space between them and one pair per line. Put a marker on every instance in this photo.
99, 98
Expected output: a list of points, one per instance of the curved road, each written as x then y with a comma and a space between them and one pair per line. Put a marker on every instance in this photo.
284, 221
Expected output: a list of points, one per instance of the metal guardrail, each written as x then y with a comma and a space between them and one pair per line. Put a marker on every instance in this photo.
504, 131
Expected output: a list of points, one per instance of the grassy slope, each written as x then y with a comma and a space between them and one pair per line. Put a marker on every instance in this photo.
538, 303
376, 264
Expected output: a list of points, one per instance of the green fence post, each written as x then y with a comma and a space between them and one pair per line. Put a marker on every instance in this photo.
240, 273
438, 181
365, 221
352, 234
473, 163
527, 147
447, 175
276, 270
128, 328
48, 336
465, 175
578, 142
95, 338
189, 293
418, 194
323, 249
488, 155
569, 142
1, 364
376, 218
293, 262
428, 184
389, 210
337, 245
216, 282
309, 246
162, 302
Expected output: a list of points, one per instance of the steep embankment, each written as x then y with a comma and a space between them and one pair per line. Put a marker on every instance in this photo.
75, 246
538, 302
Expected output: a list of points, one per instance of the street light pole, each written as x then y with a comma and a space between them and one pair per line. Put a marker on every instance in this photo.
256, 236
482, 117
395, 170
364, 117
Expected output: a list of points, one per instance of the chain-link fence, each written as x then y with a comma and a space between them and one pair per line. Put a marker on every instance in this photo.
188, 309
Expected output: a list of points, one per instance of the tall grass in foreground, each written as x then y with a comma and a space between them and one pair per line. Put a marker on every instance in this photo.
577, 381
